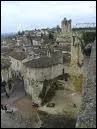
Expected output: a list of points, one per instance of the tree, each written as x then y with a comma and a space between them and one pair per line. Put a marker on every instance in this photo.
86, 42
22, 32
19, 33
58, 28
88, 37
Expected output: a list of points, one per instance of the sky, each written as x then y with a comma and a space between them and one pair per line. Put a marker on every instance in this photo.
27, 15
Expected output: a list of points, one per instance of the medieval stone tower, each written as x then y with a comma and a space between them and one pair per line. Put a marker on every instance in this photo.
66, 26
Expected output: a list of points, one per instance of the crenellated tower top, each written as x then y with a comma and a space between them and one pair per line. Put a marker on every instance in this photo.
66, 26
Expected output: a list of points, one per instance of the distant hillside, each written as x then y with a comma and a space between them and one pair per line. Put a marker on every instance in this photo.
5, 35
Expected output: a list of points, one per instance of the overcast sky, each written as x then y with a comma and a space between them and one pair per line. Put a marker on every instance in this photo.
25, 15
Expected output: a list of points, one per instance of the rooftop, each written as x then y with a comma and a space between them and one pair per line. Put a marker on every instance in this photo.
66, 47
5, 63
42, 62
18, 55
4, 49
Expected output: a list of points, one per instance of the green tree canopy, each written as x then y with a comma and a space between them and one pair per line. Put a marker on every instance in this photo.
88, 37
58, 28
86, 42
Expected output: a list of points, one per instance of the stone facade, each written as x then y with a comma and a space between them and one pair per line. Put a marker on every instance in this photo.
76, 65
87, 113
34, 71
34, 77
33, 88
17, 58
6, 74
65, 36
66, 26
40, 74
35, 42
16, 65
5, 70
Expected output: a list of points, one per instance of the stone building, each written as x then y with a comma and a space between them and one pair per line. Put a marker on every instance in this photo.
36, 71
43, 68
66, 26
20, 41
65, 36
4, 50
37, 41
6, 76
71, 50
65, 52
3, 43
5, 69
16, 62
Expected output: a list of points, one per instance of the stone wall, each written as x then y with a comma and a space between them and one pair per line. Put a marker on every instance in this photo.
34, 77
66, 26
65, 35
75, 69
6, 74
87, 112
40, 74
16, 65
33, 89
